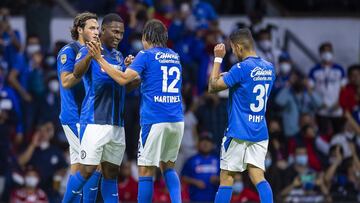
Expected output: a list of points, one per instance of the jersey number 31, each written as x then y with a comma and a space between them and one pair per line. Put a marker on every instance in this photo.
171, 88
261, 92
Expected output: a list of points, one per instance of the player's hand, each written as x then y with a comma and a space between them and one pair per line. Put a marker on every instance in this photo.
94, 48
219, 50
128, 60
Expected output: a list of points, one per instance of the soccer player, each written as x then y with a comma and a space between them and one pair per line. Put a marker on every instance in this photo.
245, 143
85, 28
102, 135
162, 118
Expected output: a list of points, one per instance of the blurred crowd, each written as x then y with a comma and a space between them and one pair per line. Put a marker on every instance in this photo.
313, 116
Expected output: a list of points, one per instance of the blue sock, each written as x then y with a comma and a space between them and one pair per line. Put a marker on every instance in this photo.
223, 195
265, 192
90, 188
146, 189
73, 188
109, 190
173, 185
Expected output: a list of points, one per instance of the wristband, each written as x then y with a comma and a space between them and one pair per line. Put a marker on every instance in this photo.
218, 60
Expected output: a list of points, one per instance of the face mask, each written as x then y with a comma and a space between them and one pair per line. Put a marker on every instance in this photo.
54, 86
301, 160
44, 145
285, 68
265, 44
268, 162
137, 45
327, 56
50, 60
33, 48
31, 181
238, 187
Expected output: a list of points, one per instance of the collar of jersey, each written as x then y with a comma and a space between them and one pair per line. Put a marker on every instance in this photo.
106, 51
254, 57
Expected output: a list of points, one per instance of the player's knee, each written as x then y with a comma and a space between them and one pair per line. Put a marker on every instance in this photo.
256, 174
147, 170
109, 170
87, 171
227, 178
166, 165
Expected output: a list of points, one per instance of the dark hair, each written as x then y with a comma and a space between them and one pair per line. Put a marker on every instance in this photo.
155, 33
353, 68
80, 21
111, 17
243, 36
325, 45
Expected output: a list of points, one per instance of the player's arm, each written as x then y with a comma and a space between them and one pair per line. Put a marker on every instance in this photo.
133, 84
120, 77
216, 81
82, 65
68, 79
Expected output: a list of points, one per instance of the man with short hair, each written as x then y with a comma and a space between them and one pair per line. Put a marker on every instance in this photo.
85, 28
246, 139
102, 135
162, 117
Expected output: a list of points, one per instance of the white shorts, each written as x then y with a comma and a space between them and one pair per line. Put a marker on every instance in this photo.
72, 135
236, 154
100, 143
159, 142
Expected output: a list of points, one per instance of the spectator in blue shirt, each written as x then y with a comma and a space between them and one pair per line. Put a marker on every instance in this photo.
9, 38
201, 172
47, 158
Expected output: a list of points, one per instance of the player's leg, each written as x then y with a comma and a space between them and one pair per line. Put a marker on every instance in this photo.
110, 163
172, 136
92, 140
225, 189
232, 160
146, 185
255, 159
150, 141
90, 189
71, 133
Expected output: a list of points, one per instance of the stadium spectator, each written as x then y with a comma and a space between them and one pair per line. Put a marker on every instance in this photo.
201, 172
30, 192
127, 185
212, 117
327, 78
10, 43
301, 183
241, 192
295, 99
343, 175
285, 70
46, 157
265, 47
190, 138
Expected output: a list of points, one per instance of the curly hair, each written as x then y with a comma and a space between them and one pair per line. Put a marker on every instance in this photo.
80, 21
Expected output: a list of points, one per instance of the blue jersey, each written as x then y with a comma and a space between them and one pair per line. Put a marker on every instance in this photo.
249, 83
160, 71
71, 98
202, 168
104, 100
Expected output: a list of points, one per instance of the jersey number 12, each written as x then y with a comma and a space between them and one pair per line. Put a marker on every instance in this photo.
171, 88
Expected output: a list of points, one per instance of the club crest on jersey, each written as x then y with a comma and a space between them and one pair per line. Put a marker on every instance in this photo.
78, 56
63, 58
